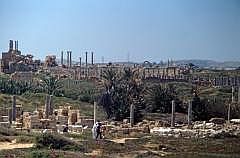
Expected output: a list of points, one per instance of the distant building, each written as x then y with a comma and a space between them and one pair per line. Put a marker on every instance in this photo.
22, 76
50, 61
13, 61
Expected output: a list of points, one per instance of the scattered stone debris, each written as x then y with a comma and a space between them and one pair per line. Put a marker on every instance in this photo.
235, 121
200, 130
215, 128
217, 120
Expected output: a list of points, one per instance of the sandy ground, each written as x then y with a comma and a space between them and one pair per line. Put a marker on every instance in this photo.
122, 140
10, 145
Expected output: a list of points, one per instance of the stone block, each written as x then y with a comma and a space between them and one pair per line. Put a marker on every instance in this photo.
217, 120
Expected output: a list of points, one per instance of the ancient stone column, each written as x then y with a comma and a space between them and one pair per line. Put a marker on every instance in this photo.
61, 57
132, 115
92, 58
232, 94
70, 59
173, 114
10, 115
50, 105
229, 112
86, 66
47, 106
238, 94
13, 108
67, 58
80, 67
10, 45
94, 111
189, 112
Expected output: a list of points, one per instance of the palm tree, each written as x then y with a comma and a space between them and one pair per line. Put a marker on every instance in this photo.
120, 92
51, 84
158, 99
109, 79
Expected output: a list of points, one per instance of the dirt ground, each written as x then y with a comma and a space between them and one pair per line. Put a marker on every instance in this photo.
12, 145
136, 146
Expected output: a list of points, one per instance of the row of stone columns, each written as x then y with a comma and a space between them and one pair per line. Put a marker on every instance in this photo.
233, 96
233, 100
227, 81
172, 115
48, 108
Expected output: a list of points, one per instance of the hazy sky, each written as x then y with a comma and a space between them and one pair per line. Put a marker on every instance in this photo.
151, 30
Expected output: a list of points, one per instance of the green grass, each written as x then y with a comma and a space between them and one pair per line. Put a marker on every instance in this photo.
62, 146
56, 141
30, 101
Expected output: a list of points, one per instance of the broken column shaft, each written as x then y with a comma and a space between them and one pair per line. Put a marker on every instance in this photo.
67, 59
229, 112
92, 58
10, 45
131, 115
62, 58
189, 112
50, 105
80, 67
47, 106
70, 59
173, 114
13, 108
86, 66
10, 115
80, 61
238, 94
94, 112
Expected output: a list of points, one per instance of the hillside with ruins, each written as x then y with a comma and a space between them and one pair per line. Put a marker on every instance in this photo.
146, 109
120, 79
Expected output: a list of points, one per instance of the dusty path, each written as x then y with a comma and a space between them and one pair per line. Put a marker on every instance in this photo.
9, 145
122, 140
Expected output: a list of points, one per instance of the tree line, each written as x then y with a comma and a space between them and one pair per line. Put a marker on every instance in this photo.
122, 90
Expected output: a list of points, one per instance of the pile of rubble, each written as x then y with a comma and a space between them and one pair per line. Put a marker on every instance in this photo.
215, 128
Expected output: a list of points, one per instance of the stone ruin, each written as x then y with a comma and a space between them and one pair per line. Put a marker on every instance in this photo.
44, 118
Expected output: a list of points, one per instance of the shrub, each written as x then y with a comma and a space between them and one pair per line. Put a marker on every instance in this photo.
24, 139
38, 154
4, 139
7, 131
57, 142
85, 98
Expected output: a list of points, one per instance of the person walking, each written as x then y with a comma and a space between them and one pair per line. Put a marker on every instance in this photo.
94, 133
98, 130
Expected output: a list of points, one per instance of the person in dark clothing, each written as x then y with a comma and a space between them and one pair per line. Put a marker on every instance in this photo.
98, 130
65, 129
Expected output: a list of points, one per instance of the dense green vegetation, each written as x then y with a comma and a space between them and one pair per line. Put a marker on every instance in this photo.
121, 91
159, 98
117, 92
